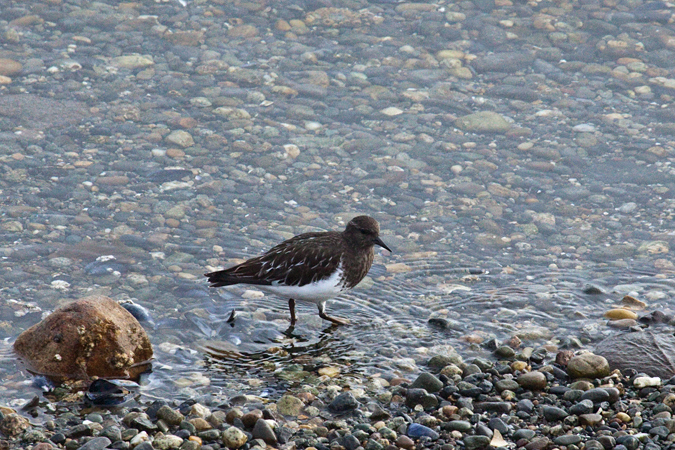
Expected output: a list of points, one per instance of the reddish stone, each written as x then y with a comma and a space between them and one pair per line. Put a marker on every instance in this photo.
92, 337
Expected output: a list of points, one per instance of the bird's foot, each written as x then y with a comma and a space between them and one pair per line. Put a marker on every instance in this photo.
289, 332
335, 321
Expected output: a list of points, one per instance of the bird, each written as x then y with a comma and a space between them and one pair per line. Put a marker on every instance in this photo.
310, 267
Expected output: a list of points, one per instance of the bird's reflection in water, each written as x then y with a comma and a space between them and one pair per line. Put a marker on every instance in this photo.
232, 341
265, 351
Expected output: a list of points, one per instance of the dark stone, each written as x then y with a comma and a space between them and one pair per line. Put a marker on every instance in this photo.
98, 443
350, 442
511, 385
496, 423
112, 432
583, 407
593, 445
608, 442
415, 430
630, 442
154, 406
495, 407
58, 438
428, 382
283, 434
459, 425
538, 443
525, 405
647, 352
614, 394
209, 435
78, 431
523, 433
377, 413
567, 439
343, 403
573, 395
146, 445
420, 397
553, 413
660, 431
143, 424
183, 434
476, 442
483, 430
262, 430
596, 395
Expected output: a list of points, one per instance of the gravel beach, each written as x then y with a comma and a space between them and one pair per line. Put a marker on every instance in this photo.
513, 403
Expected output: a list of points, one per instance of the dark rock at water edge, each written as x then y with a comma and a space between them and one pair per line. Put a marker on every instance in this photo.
428, 382
650, 352
343, 403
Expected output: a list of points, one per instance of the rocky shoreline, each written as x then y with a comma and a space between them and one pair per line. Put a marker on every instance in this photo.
521, 401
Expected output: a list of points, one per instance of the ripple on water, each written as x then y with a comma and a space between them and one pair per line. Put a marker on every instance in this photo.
390, 314
239, 341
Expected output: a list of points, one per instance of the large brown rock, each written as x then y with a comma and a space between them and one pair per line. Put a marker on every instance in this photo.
91, 337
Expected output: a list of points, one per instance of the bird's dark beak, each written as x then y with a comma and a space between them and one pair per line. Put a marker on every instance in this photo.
378, 241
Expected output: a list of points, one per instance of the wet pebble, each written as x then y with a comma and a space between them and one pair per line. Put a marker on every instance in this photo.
262, 430
476, 442
343, 403
583, 407
428, 382
234, 438
588, 365
416, 430
533, 380
554, 413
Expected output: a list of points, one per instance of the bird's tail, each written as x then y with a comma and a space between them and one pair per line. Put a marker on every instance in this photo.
222, 278
229, 277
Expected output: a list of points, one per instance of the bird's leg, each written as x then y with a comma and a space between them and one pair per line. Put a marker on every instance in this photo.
291, 306
324, 316
233, 315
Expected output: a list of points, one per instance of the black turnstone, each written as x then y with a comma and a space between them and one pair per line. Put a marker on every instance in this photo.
310, 267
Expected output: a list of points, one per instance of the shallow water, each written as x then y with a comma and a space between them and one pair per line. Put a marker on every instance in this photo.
201, 351
390, 329
495, 234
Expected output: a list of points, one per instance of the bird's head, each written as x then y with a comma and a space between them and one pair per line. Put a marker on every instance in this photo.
364, 231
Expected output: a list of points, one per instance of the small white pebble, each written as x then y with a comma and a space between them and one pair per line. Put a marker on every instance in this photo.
292, 150
250, 293
60, 285
641, 382
140, 437
199, 410
392, 111
313, 126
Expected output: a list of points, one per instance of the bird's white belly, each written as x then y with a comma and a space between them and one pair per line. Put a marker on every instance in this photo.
317, 292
